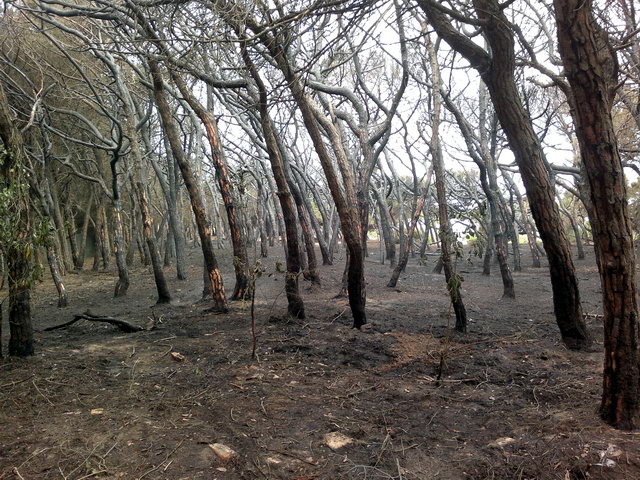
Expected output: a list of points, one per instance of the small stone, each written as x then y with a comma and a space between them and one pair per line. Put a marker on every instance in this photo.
223, 452
502, 442
178, 357
336, 440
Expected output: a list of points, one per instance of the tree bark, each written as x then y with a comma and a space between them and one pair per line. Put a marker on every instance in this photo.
497, 71
347, 213
158, 274
446, 234
82, 248
204, 230
592, 70
17, 252
20, 327
238, 243
293, 260
122, 285
404, 255
52, 259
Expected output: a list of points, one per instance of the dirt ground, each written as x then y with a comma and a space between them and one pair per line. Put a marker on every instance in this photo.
512, 402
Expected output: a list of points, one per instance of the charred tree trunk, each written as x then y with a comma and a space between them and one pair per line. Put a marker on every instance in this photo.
488, 251
592, 70
158, 274
122, 285
52, 259
60, 233
71, 231
404, 255
446, 234
348, 215
238, 242
497, 71
17, 251
295, 302
20, 328
82, 249
322, 242
214, 276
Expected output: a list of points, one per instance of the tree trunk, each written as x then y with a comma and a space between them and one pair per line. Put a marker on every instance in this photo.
175, 217
576, 234
52, 259
322, 242
404, 255
122, 285
158, 274
61, 229
295, 303
488, 251
70, 229
385, 226
238, 243
17, 252
82, 249
498, 73
204, 230
20, 328
454, 281
592, 70
348, 216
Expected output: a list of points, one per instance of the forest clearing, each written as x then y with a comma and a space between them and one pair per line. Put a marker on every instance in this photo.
512, 402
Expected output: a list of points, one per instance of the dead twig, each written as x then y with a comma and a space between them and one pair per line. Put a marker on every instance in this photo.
16, 382
161, 463
40, 392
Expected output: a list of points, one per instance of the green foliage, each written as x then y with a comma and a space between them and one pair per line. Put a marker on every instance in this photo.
19, 234
477, 245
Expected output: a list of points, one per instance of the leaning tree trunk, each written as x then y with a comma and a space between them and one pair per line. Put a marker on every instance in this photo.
82, 248
404, 255
498, 72
322, 242
204, 230
175, 218
147, 229
592, 70
122, 284
529, 156
348, 216
261, 213
311, 273
238, 242
54, 267
446, 234
58, 219
295, 302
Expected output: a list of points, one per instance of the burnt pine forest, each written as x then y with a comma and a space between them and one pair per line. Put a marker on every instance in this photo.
319, 239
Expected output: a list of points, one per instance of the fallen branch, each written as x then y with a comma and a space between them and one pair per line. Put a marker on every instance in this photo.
121, 324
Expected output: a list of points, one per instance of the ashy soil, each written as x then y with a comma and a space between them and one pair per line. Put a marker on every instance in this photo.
404, 398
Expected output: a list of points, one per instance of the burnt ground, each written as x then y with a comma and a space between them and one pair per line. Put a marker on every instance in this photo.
511, 403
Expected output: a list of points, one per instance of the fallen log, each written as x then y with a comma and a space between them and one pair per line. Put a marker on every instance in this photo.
121, 324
